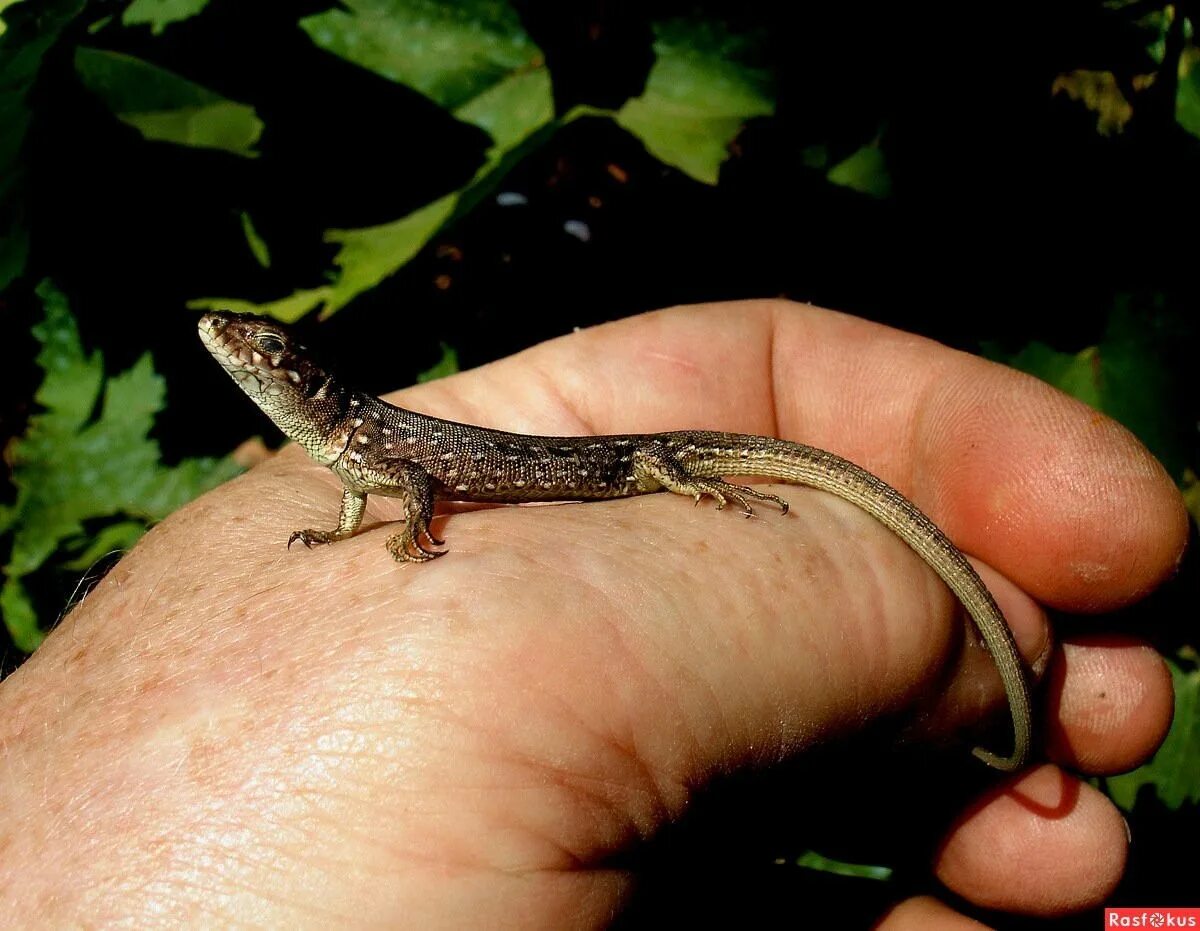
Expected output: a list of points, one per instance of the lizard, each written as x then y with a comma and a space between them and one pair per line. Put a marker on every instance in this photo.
378, 448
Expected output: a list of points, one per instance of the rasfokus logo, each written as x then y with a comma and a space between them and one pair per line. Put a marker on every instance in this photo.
1152, 918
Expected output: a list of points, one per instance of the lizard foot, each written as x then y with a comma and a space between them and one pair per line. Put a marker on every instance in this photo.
720, 491
311, 538
406, 547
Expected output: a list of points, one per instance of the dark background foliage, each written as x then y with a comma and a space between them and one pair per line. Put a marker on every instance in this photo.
1015, 178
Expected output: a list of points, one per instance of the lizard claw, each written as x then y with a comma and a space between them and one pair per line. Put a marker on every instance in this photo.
307, 537
312, 538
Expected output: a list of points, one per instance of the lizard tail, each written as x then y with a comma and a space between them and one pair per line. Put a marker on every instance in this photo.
817, 468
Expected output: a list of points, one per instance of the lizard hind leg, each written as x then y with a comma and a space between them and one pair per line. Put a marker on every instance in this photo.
659, 471
406, 546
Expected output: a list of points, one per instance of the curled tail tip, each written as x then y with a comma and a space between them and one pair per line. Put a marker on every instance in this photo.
1006, 764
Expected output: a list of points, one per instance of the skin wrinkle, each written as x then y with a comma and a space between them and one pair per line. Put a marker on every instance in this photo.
630, 659
627, 660
468, 717
922, 437
1100, 707
696, 684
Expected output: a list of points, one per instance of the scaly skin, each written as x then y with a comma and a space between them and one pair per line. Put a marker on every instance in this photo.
378, 448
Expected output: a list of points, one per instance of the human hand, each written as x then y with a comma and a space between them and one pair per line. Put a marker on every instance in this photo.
229, 733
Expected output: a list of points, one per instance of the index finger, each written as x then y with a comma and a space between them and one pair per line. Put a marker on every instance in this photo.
1060, 498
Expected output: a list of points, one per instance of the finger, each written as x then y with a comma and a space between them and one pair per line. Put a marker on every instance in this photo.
1059, 498
1109, 701
925, 913
1044, 844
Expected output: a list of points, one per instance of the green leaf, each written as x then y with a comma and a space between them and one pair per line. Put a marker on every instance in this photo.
865, 171
286, 310
699, 93
473, 58
159, 14
72, 380
1076, 374
115, 538
4, 5
369, 255
165, 107
812, 860
1191, 494
258, 245
446, 365
1174, 771
1123, 376
75, 465
19, 616
1187, 97
452, 52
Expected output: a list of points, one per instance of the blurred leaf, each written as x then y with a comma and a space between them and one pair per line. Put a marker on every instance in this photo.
29, 30
19, 616
4, 5
369, 255
1191, 494
165, 107
812, 860
1152, 24
510, 112
1098, 91
1187, 99
258, 245
286, 310
1123, 377
700, 92
74, 465
1078, 375
114, 538
865, 171
473, 58
1174, 771
159, 14
452, 52
446, 365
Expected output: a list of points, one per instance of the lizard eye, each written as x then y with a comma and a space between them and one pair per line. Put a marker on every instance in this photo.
269, 343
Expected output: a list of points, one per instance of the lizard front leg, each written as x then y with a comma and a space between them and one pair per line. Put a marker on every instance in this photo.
353, 505
660, 470
417, 487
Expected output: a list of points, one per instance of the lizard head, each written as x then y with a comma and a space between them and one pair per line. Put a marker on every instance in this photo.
275, 370
258, 353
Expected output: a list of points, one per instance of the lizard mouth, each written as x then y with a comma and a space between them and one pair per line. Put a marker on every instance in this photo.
233, 354
256, 373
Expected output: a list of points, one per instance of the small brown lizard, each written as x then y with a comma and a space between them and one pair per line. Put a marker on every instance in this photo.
378, 448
